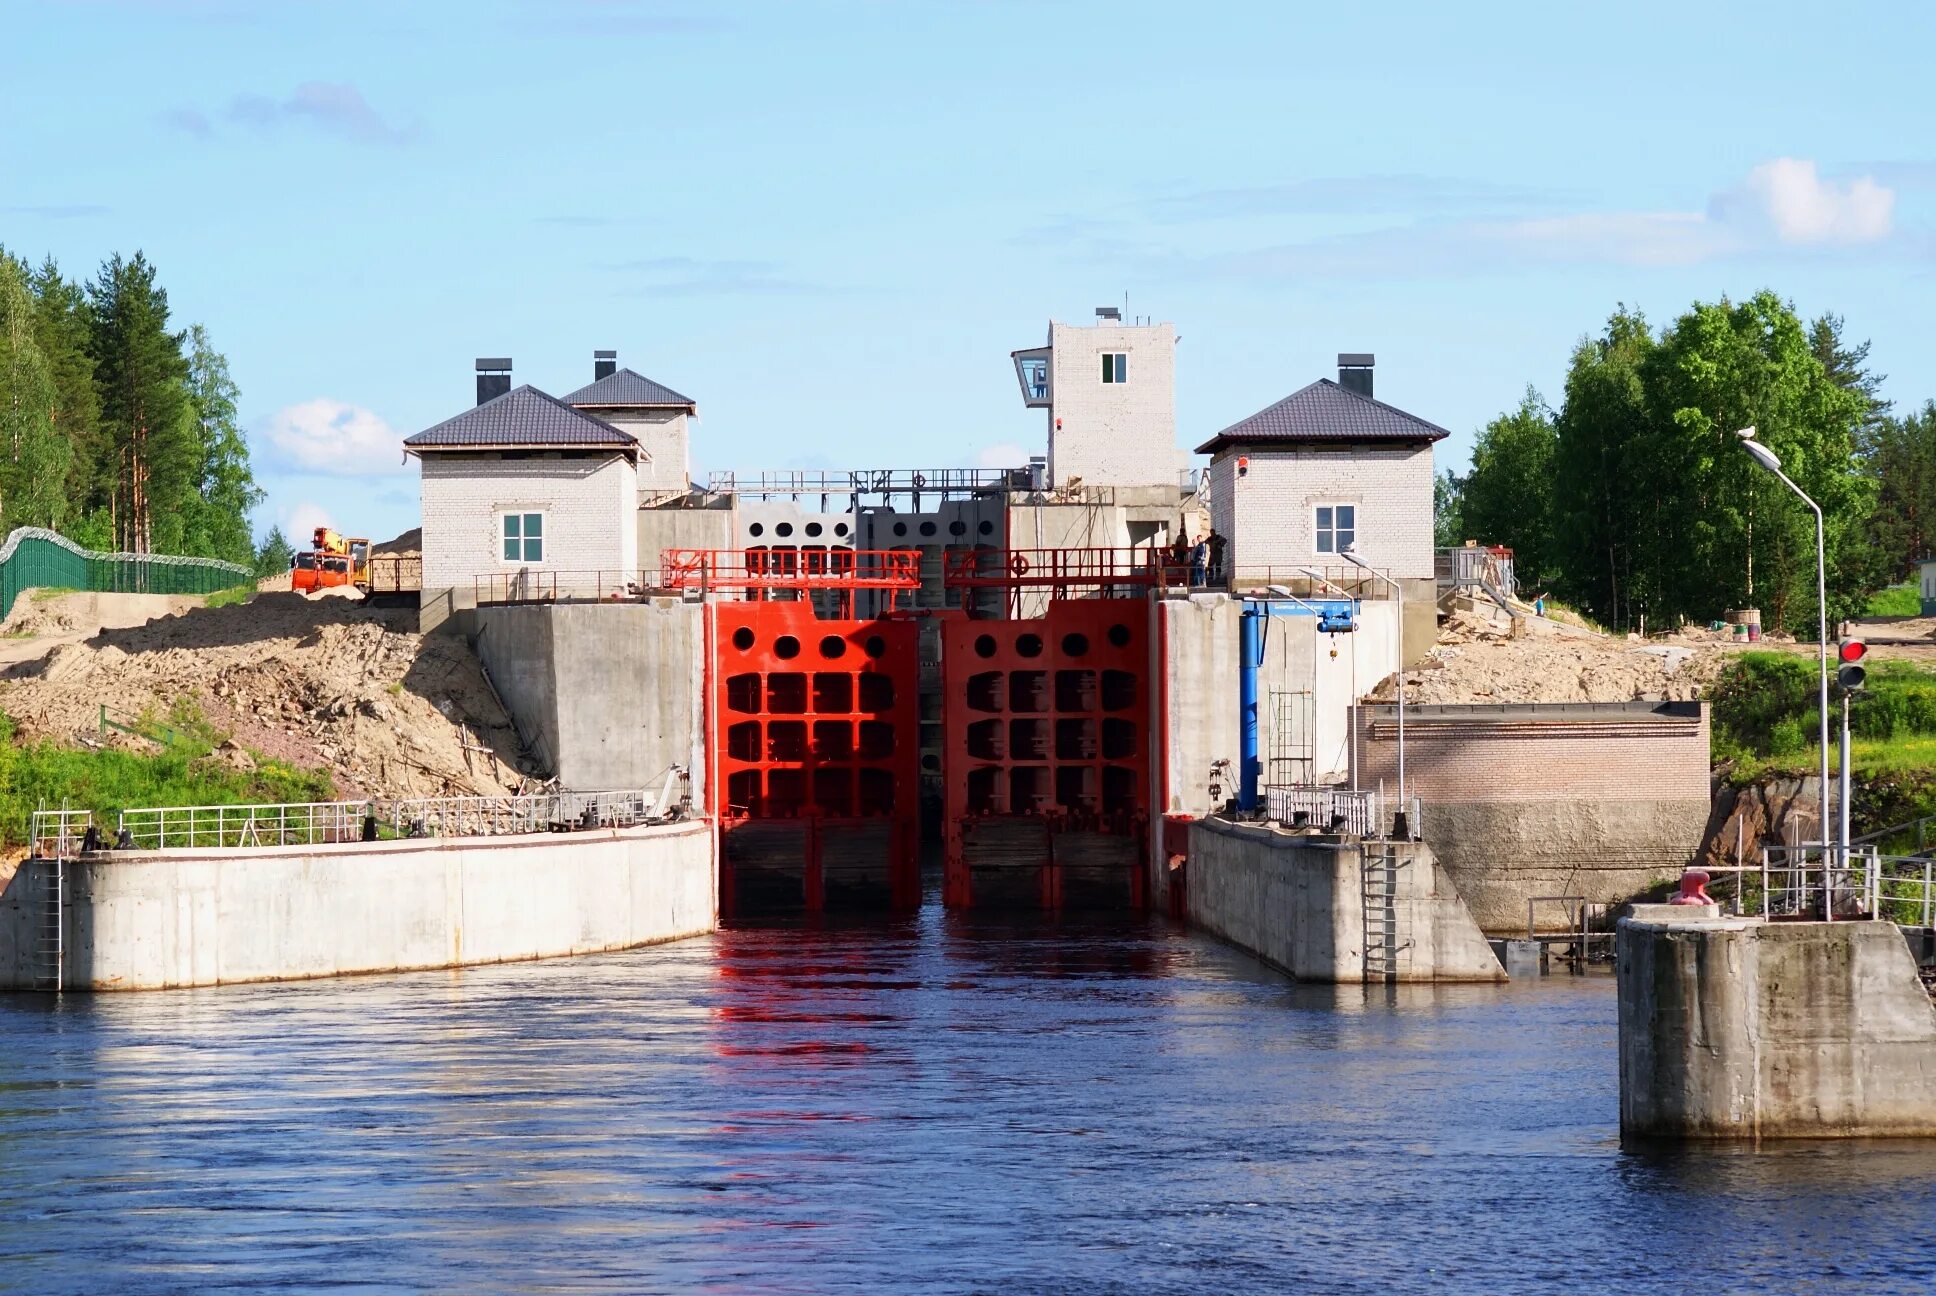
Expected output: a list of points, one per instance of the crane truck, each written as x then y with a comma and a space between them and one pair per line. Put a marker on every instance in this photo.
335, 560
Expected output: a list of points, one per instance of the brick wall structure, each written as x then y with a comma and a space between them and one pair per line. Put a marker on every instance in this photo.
1116, 433
1601, 800
590, 503
1269, 512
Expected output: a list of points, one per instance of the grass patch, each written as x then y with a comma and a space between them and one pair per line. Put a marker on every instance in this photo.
45, 593
1896, 601
1765, 717
43, 775
228, 597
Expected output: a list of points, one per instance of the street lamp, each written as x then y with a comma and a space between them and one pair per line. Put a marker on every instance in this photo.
1404, 806
1767, 458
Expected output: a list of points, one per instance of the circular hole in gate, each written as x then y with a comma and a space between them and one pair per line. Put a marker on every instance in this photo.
931, 762
1119, 635
986, 527
756, 529
813, 528
840, 528
786, 647
833, 646
1028, 645
900, 528
927, 528
742, 638
1075, 645
784, 528
984, 645
957, 527
873, 645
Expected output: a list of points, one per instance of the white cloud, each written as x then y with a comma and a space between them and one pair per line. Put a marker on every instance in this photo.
299, 523
1005, 455
1803, 208
330, 436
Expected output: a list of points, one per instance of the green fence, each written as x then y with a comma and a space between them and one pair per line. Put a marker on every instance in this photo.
35, 557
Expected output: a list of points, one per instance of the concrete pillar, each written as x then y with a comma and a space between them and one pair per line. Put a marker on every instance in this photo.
1741, 1029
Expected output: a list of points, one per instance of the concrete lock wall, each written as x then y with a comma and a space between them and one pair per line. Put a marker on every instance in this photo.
1201, 648
1297, 902
157, 919
1734, 1028
608, 695
1523, 801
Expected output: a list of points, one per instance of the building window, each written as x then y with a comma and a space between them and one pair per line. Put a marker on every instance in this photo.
1337, 527
523, 537
1115, 367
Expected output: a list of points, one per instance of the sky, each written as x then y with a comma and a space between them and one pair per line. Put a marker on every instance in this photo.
829, 221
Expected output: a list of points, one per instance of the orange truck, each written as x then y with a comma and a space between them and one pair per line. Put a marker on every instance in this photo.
335, 560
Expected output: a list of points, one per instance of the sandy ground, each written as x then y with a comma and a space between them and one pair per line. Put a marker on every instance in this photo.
318, 682
1478, 659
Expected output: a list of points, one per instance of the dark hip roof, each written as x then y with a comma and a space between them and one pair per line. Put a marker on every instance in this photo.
625, 388
523, 418
1325, 413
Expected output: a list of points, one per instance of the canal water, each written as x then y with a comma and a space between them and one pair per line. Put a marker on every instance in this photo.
928, 1104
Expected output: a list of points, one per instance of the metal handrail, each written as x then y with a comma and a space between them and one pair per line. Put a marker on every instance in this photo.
548, 585
59, 834
1365, 813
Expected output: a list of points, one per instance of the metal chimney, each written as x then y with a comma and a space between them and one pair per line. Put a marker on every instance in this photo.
493, 377
1354, 371
604, 364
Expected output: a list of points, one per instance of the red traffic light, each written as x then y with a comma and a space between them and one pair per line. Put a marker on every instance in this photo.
1852, 650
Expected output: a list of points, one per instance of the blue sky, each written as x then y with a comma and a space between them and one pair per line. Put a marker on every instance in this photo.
830, 221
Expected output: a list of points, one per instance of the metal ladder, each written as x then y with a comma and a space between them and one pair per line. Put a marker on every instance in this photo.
50, 945
1388, 934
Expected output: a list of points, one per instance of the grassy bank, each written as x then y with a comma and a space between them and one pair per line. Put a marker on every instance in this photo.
184, 770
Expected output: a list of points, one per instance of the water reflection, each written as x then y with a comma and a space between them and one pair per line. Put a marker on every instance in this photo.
928, 1103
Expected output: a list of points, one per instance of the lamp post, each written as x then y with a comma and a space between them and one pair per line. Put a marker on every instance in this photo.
1767, 458
1398, 591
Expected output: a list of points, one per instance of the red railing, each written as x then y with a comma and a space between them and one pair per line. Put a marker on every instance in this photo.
1051, 568
779, 572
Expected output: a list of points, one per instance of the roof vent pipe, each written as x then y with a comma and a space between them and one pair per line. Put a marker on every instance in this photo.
604, 364
493, 377
1354, 371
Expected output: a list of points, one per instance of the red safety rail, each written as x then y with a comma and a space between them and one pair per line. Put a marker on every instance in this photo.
762, 573
815, 758
1060, 573
1046, 757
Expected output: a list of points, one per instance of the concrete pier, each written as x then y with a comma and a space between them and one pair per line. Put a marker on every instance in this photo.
1741, 1029
147, 920
1299, 902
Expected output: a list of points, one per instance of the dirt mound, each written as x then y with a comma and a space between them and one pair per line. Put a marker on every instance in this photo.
38, 612
319, 683
1481, 660
407, 544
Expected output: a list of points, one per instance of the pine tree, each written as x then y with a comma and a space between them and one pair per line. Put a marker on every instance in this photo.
145, 410
225, 487
61, 328
34, 457
275, 555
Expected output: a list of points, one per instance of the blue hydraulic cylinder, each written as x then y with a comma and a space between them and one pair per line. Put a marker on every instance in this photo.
1251, 648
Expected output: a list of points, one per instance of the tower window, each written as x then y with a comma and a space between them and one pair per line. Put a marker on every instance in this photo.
1337, 527
1115, 367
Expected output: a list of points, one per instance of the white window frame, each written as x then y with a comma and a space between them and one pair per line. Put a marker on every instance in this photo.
1319, 530
504, 515
1115, 368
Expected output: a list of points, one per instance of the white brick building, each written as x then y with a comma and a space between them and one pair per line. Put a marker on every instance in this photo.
525, 485
1327, 468
651, 412
1110, 390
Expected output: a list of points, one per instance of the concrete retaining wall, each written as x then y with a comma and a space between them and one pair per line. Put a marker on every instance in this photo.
1297, 903
1734, 1028
607, 695
155, 919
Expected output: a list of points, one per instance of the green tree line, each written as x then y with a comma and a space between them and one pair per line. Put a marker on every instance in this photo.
1634, 500
116, 429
